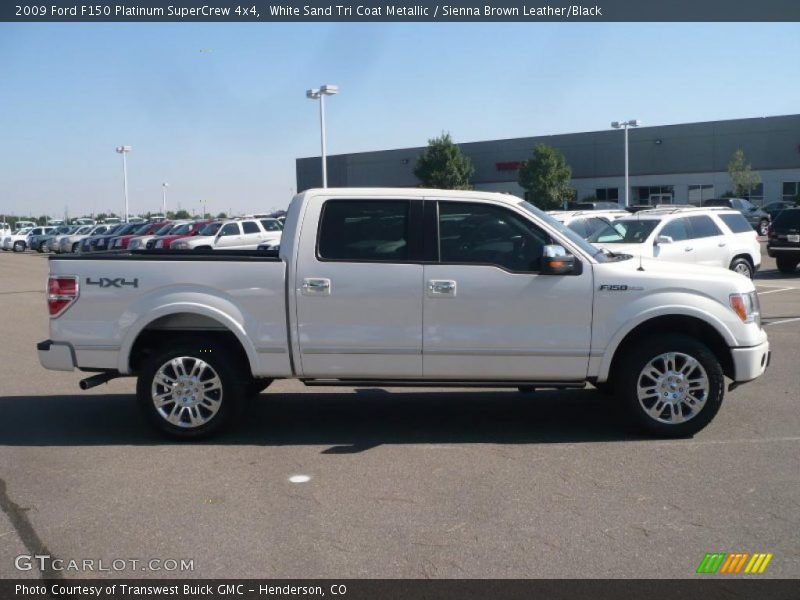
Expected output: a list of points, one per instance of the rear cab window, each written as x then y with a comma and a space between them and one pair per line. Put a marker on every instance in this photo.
703, 226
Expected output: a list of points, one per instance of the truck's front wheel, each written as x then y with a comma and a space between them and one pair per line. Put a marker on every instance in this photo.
191, 390
672, 385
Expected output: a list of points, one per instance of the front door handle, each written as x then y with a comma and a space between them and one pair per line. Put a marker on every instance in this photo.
722, 244
688, 249
316, 287
442, 287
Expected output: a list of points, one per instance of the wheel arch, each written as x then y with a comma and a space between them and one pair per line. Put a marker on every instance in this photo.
687, 324
183, 322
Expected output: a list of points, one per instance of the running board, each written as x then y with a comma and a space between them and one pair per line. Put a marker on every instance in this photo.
441, 383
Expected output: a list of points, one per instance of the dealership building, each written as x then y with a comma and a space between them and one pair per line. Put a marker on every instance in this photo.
671, 163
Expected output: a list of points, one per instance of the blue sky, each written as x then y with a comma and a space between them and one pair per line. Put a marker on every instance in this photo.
218, 110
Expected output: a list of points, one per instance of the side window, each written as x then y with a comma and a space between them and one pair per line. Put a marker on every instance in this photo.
676, 229
271, 225
736, 223
364, 230
702, 226
230, 229
594, 224
580, 227
485, 234
250, 227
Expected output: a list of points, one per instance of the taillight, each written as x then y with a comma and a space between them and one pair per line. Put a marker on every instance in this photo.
62, 290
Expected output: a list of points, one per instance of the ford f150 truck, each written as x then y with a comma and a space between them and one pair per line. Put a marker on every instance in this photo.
406, 287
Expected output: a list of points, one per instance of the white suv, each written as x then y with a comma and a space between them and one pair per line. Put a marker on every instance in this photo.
704, 236
246, 234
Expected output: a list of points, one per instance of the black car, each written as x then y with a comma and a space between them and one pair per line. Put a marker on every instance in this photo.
593, 205
773, 208
89, 244
784, 240
758, 219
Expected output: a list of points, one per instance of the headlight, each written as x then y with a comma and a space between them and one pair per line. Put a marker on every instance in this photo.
180, 246
160, 244
747, 307
101, 242
133, 245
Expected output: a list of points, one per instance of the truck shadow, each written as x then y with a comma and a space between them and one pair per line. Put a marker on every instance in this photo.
348, 422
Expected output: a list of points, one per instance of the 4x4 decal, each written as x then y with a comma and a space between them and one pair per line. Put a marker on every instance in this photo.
117, 282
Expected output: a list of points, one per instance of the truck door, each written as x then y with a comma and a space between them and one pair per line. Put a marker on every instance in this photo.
488, 312
682, 248
358, 289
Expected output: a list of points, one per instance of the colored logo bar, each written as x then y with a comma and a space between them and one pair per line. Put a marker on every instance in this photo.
735, 562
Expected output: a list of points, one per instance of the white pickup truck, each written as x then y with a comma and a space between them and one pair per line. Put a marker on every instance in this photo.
406, 287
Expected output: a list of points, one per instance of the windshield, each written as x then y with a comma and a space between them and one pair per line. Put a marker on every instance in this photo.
165, 229
625, 231
573, 237
180, 229
143, 229
210, 229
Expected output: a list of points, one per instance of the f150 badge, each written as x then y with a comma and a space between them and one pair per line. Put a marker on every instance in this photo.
613, 287
117, 282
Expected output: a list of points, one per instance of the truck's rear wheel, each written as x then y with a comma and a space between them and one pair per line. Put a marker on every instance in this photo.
191, 390
743, 267
672, 385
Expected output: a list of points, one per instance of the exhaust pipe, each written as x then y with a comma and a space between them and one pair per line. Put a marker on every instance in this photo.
98, 379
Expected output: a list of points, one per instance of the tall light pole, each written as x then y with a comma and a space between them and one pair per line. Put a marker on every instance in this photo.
319, 94
626, 125
164, 187
124, 150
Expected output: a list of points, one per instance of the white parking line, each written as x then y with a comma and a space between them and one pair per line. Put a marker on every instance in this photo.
783, 321
775, 291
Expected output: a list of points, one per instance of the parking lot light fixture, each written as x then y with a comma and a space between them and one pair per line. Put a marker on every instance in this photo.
625, 125
164, 187
319, 94
124, 150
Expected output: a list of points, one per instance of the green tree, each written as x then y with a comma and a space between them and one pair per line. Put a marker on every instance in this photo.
222, 215
742, 175
182, 214
442, 165
546, 176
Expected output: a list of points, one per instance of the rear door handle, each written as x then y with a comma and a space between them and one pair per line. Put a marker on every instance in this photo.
442, 287
722, 244
316, 287
688, 249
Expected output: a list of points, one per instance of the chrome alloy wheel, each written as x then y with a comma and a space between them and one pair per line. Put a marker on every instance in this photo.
186, 391
743, 269
672, 388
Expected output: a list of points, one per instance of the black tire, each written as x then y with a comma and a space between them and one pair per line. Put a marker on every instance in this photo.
19, 246
526, 389
743, 267
763, 227
75, 247
786, 264
256, 386
630, 370
231, 392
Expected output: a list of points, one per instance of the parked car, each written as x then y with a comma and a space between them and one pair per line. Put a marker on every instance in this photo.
773, 208
372, 289
783, 243
106, 242
758, 218
10, 241
89, 243
593, 205
56, 243
71, 243
121, 242
140, 242
5, 229
714, 237
204, 240
19, 225
32, 239
182, 231
244, 234
43, 243
584, 222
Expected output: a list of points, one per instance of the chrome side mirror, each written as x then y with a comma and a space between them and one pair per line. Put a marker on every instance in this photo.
663, 239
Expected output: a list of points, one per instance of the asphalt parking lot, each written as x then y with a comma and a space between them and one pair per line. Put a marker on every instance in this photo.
404, 483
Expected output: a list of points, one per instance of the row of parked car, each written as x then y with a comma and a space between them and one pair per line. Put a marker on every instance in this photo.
230, 234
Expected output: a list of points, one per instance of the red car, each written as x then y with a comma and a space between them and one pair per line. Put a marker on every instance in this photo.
181, 231
121, 242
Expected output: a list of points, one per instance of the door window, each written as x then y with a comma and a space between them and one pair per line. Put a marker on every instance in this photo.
580, 227
364, 230
702, 226
676, 229
476, 233
250, 227
230, 229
